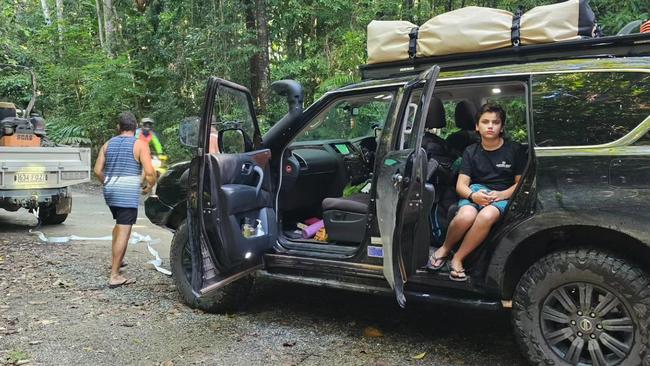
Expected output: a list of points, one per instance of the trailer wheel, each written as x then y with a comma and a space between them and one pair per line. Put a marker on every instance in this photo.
48, 215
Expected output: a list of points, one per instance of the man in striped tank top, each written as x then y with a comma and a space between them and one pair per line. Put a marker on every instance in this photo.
119, 166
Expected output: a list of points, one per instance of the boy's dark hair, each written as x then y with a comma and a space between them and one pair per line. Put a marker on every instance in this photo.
489, 107
127, 122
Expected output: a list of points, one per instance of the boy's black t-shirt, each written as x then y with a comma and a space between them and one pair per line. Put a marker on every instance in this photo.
495, 169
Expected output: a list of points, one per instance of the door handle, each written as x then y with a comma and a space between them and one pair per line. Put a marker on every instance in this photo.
397, 179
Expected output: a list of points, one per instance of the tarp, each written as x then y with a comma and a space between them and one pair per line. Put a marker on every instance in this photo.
476, 29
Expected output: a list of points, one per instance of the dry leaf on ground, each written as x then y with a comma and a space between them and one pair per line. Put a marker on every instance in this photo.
372, 332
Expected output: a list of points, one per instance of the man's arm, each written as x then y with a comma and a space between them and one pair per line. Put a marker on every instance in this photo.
144, 157
99, 164
157, 146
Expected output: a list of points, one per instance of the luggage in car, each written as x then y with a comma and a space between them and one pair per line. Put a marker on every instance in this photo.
476, 29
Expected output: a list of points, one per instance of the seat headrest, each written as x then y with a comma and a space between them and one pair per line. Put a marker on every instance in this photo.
465, 115
436, 114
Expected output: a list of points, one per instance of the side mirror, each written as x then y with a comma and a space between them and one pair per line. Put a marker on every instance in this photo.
188, 131
234, 141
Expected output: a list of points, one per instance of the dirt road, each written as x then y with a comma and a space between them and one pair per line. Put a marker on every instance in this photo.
55, 309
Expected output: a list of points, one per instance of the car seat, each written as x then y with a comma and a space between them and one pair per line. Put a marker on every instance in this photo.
465, 117
346, 218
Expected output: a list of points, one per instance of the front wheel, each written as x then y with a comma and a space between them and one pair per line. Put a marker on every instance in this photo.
583, 307
226, 299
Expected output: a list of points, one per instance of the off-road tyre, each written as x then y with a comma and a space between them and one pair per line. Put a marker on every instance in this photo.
48, 216
539, 291
230, 298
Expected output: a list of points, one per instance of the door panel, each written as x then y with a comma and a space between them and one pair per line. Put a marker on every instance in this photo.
234, 191
401, 195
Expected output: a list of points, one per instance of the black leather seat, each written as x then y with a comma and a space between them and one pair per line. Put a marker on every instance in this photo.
346, 218
465, 117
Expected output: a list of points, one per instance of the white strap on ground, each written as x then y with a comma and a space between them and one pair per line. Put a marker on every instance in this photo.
134, 239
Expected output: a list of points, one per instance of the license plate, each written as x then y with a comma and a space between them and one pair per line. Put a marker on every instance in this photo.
28, 178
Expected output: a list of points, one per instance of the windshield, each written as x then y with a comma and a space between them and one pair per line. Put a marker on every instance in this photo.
349, 118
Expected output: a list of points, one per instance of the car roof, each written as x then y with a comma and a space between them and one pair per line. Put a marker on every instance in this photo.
573, 65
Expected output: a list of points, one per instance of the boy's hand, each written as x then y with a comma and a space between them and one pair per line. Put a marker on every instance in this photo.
497, 196
482, 198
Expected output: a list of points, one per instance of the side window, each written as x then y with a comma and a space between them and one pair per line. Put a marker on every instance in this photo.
233, 121
349, 118
588, 108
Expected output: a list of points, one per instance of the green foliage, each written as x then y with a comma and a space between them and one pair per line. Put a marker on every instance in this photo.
163, 55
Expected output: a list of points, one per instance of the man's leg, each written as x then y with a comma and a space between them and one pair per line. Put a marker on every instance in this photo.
457, 228
121, 234
476, 234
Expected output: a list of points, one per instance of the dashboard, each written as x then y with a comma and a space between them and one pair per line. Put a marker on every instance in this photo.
314, 170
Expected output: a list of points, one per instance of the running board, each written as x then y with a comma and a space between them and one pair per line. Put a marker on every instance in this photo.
217, 285
473, 303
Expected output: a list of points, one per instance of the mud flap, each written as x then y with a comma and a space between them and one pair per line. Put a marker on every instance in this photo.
63, 205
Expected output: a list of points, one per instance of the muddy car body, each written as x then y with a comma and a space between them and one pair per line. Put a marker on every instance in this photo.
570, 256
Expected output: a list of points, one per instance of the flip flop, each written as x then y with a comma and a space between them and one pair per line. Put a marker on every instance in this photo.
458, 275
433, 268
127, 281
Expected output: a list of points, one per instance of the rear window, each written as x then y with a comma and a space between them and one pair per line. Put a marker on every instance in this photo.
588, 108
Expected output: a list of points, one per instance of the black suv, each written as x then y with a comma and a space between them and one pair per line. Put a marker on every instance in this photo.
377, 163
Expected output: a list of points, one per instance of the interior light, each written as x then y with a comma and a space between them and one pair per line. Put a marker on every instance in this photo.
496, 90
388, 96
379, 96
248, 255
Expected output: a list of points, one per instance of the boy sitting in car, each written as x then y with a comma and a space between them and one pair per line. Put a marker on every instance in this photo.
488, 177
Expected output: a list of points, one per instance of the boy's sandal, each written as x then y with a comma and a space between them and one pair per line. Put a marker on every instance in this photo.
458, 275
431, 267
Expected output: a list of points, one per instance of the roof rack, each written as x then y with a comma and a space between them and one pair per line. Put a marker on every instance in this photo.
637, 44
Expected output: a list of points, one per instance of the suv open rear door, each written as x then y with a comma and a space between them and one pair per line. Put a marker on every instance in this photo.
401, 189
231, 216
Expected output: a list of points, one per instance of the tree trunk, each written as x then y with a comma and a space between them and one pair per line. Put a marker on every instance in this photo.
252, 29
100, 22
109, 31
46, 12
263, 55
59, 18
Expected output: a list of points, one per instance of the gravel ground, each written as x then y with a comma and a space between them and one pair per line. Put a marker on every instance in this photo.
55, 309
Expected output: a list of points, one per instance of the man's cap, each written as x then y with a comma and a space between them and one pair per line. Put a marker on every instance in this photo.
7, 105
146, 120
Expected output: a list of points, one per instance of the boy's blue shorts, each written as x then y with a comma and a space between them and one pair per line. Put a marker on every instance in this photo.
501, 205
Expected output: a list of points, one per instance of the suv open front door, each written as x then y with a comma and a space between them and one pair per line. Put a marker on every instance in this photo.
401, 191
231, 216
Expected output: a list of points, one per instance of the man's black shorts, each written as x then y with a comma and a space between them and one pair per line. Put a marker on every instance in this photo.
124, 215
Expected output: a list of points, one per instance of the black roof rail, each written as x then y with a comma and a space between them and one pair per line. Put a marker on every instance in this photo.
637, 44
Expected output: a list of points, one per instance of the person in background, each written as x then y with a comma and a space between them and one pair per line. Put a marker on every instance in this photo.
489, 174
147, 134
213, 147
119, 167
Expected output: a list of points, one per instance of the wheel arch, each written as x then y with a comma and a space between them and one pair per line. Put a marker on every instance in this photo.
510, 262
177, 216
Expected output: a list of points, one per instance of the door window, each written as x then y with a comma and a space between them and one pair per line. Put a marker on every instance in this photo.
233, 121
588, 108
349, 118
